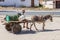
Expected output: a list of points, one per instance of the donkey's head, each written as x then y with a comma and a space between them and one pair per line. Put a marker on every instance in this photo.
48, 17
51, 18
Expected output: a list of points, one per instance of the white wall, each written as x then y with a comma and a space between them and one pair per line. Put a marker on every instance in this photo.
36, 2
27, 3
19, 2
16, 2
7, 2
48, 4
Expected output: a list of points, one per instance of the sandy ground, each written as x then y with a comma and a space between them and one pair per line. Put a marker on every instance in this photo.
52, 32
32, 8
20, 8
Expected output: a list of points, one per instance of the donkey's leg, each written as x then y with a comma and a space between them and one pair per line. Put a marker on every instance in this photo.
35, 26
31, 26
43, 26
27, 25
24, 25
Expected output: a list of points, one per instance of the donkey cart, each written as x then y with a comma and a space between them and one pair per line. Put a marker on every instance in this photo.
13, 26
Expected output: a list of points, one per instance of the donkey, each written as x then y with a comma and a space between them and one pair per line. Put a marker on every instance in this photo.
40, 19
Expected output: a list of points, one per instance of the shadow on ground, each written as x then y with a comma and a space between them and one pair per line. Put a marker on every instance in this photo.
49, 30
27, 32
34, 32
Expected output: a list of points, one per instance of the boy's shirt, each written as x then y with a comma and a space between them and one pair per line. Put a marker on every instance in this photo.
22, 17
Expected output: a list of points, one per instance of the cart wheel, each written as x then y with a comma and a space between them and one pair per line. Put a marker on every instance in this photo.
8, 27
16, 28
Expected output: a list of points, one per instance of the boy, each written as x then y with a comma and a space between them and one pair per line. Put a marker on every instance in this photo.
22, 18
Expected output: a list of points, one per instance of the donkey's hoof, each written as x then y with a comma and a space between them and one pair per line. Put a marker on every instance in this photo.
37, 30
31, 30
43, 30
28, 28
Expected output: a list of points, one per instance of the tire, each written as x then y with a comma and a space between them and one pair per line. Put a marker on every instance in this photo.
16, 28
8, 27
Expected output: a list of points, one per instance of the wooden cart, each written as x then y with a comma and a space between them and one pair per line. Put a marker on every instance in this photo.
14, 26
